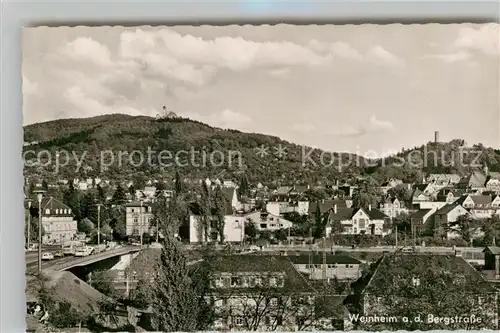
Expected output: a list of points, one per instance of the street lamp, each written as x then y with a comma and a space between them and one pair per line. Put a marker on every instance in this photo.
98, 227
140, 222
39, 194
29, 224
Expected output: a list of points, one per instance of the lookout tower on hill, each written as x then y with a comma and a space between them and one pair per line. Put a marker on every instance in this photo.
436, 137
165, 114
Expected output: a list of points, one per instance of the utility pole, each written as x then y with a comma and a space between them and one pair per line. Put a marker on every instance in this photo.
324, 262
39, 194
140, 223
29, 224
396, 236
99, 228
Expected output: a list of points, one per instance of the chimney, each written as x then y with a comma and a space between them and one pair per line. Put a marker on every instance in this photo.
436, 136
335, 209
369, 207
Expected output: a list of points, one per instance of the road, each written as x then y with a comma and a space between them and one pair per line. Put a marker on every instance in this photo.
428, 249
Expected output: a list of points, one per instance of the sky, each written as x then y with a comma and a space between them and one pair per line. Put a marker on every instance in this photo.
355, 88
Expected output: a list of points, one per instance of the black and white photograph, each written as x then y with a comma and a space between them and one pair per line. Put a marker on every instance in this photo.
262, 177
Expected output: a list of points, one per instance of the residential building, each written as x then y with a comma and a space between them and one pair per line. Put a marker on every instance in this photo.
479, 206
139, 218
420, 219
475, 181
391, 183
493, 182
331, 266
267, 221
283, 207
57, 222
393, 207
449, 195
492, 262
265, 293
443, 179
446, 215
327, 205
356, 221
417, 285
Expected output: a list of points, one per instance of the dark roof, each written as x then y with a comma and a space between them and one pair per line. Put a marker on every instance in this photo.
477, 199
331, 306
317, 258
294, 281
396, 269
348, 213
493, 249
375, 214
326, 205
419, 213
420, 187
53, 204
446, 208
342, 214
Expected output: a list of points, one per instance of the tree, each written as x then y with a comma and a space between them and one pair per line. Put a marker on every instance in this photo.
101, 195
178, 186
220, 204
281, 235
464, 225
244, 187
366, 193
85, 226
131, 190
118, 197
102, 281
172, 294
250, 230
45, 186
491, 229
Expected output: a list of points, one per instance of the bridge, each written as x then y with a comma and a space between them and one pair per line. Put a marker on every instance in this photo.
67, 263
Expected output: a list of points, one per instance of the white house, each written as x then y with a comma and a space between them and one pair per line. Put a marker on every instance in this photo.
446, 215
139, 218
234, 224
283, 207
339, 267
57, 222
268, 221
234, 229
393, 207
355, 221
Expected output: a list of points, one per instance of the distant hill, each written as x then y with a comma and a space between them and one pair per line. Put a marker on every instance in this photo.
123, 133
117, 133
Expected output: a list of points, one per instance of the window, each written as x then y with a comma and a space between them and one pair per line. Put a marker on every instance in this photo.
272, 281
47, 211
136, 220
238, 321
415, 281
219, 282
258, 281
132, 210
235, 281
274, 302
362, 223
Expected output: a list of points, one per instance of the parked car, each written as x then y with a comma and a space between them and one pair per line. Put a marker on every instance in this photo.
59, 254
47, 256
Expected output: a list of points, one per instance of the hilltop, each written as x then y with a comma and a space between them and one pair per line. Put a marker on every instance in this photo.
108, 135
125, 133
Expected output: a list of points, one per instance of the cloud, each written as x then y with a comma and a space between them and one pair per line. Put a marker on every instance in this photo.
381, 56
484, 39
373, 125
450, 57
279, 72
86, 49
226, 119
88, 107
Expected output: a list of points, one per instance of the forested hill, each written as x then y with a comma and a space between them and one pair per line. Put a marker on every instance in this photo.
121, 133
295, 165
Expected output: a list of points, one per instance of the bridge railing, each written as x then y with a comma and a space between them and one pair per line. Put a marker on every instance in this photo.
78, 261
